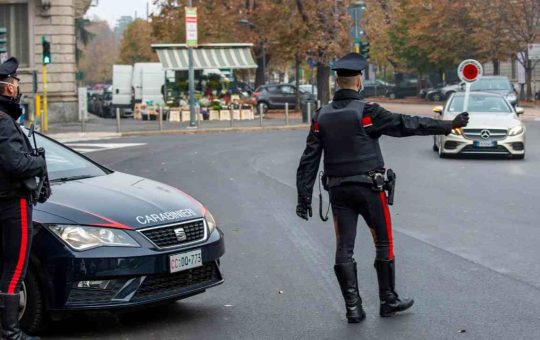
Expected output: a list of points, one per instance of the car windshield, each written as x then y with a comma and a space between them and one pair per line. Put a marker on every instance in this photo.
491, 84
480, 104
64, 164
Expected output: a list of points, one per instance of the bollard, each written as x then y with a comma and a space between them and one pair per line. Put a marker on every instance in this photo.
160, 118
118, 120
82, 121
309, 112
198, 113
286, 113
231, 113
261, 114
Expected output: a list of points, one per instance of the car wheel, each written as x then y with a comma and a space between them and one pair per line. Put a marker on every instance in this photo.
32, 314
392, 95
264, 107
440, 149
437, 97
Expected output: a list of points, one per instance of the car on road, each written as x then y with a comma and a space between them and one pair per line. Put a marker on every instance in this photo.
405, 88
107, 240
497, 84
374, 88
275, 96
494, 127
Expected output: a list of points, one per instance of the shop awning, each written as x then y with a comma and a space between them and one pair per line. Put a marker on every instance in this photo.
209, 56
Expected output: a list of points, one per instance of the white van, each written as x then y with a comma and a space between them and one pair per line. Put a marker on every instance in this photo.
148, 80
121, 90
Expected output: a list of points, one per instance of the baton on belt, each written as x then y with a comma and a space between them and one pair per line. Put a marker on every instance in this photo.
390, 185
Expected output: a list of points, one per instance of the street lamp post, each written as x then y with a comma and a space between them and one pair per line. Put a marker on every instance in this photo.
191, 76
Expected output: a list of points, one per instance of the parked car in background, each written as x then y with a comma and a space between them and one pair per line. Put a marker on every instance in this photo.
405, 88
309, 88
276, 95
435, 93
494, 127
449, 89
497, 84
374, 88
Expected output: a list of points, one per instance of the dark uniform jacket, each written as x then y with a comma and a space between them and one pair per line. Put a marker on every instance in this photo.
16, 160
348, 131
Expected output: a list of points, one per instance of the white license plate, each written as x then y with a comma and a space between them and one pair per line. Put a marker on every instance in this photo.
184, 261
484, 143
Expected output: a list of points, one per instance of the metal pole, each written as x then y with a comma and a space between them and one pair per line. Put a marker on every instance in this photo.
160, 118
118, 119
191, 73
198, 116
231, 113
318, 104
309, 112
261, 114
45, 121
286, 113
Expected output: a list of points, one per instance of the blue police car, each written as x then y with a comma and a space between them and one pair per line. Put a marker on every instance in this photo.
108, 240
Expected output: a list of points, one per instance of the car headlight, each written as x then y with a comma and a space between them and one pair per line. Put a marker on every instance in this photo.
457, 132
210, 221
83, 237
511, 97
516, 130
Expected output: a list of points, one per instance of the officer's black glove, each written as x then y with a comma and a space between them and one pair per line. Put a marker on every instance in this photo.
303, 209
461, 120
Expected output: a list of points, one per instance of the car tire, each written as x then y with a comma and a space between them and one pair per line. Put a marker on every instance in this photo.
34, 319
435, 147
265, 107
440, 149
392, 95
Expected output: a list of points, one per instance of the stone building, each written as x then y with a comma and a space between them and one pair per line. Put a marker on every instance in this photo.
27, 21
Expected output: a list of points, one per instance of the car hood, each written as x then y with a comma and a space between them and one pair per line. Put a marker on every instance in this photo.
490, 121
119, 201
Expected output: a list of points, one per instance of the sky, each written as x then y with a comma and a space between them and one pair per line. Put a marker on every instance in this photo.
112, 10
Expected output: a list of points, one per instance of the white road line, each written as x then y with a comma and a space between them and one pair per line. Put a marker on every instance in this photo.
93, 147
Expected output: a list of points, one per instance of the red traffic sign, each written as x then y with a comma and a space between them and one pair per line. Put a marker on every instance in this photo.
470, 71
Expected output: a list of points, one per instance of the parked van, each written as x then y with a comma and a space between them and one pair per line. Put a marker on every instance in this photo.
121, 91
148, 80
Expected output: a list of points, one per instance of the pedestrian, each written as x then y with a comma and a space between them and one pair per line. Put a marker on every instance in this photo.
347, 131
19, 168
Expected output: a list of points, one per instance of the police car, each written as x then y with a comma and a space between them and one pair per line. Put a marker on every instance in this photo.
108, 240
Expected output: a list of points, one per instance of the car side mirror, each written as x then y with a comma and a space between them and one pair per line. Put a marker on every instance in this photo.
438, 109
519, 111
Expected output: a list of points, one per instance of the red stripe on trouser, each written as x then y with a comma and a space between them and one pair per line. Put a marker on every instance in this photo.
388, 222
22, 250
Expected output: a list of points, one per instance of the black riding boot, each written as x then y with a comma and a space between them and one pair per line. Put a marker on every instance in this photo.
348, 282
9, 306
390, 301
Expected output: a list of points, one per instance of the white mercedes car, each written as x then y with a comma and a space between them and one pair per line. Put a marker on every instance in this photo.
494, 127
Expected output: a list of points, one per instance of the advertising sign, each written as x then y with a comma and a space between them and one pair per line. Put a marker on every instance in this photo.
191, 27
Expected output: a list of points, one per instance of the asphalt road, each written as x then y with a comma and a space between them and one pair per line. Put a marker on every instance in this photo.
466, 234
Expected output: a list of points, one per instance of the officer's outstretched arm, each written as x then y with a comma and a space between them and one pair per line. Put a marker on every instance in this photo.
309, 164
378, 121
12, 160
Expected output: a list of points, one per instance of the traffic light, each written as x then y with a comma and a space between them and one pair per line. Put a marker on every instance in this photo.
364, 49
46, 51
3, 40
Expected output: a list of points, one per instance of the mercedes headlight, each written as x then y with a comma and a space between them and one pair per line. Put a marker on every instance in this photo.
84, 238
210, 221
516, 130
457, 132
511, 97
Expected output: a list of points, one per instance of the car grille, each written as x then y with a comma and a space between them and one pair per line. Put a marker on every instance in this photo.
476, 134
170, 284
499, 149
165, 237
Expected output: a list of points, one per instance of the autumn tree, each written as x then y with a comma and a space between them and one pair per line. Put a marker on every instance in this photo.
98, 55
135, 46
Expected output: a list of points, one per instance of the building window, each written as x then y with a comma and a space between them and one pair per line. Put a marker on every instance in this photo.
14, 17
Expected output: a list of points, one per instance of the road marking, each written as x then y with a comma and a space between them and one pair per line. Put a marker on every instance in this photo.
93, 147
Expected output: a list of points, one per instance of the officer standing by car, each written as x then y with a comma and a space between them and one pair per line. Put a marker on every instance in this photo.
19, 167
348, 131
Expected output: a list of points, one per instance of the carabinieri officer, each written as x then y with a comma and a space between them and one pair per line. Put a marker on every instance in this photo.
18, 169
348, 131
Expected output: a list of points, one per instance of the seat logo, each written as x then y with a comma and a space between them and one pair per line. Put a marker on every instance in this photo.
485, 134
180, 234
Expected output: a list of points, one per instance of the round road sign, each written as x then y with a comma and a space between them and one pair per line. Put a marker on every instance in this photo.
470, 71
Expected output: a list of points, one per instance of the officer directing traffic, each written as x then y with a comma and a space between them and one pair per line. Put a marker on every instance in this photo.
19, 167
348, 131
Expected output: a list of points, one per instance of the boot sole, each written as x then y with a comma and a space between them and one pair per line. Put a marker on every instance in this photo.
393, 313
356, 320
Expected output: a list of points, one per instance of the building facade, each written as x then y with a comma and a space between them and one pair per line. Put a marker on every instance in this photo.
27, 21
